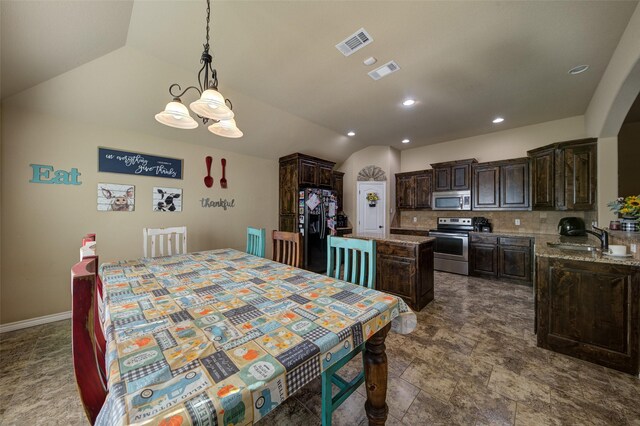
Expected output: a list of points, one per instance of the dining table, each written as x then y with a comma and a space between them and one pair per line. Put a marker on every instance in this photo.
222, 337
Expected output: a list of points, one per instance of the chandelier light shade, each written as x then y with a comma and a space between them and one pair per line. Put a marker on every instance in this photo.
226, 128
210, 106
176, 115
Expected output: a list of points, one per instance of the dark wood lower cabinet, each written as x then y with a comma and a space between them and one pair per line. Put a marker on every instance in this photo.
503, 258
288, 223
406, 270
515, 263
590, 311
483, 260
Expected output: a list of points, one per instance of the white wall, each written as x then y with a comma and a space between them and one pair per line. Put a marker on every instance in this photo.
607, 178
619, 85
43, 224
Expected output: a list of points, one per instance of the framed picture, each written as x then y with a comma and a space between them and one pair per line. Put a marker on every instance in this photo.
167, 199
135, 163
115, 197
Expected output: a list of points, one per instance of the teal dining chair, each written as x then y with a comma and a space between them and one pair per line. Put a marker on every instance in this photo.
256, 240
354, 261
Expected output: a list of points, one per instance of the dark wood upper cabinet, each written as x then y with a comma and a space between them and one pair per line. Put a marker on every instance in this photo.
486, 186
514, 185
461, 177
501, 185
308, 173
442, 179
414, 189
580, 177
423, 191
405, 192
299, 171
542, 179
288, 188
338, 186
564, 175
452, 175
325, 175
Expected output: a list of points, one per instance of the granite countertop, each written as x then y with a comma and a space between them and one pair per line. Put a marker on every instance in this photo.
411, 228
513, 234
544, 250
391, 238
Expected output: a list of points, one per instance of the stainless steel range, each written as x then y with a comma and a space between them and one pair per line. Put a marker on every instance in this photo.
451, 248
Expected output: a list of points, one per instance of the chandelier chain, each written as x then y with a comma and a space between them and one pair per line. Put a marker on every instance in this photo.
206, 46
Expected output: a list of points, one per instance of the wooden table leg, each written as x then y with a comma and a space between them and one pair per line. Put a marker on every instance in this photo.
375, 371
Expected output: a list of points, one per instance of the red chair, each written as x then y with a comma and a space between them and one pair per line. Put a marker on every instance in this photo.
88, 341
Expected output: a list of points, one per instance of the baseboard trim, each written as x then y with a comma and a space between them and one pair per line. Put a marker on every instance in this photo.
12, 326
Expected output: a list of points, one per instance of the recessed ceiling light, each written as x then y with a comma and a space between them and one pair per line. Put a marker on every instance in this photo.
579, 69
408, 102
498, 120
405, 141
352, 133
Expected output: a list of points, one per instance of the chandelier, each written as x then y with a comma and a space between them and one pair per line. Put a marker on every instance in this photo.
211, 105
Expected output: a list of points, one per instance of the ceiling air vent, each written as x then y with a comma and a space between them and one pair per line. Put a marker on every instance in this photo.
384, 70
354, 42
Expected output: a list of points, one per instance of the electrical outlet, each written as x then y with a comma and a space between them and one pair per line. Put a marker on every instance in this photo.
634, 248
517, 222
415, 219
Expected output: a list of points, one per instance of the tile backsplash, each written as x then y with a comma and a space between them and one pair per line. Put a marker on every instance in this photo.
538, 222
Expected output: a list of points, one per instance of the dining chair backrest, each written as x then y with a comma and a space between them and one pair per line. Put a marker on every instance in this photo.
256, 241
287, 248
352, 260
87, 338
157, 241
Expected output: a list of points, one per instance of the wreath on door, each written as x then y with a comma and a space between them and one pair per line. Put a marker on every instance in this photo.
372, 198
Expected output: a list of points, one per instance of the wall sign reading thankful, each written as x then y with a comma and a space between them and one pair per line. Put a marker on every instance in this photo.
47, 174
133, 163
224, 204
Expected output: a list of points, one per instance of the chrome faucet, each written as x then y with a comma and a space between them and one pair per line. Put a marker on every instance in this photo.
603, 236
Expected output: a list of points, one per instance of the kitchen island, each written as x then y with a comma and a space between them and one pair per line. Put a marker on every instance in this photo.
404, 266
588, 305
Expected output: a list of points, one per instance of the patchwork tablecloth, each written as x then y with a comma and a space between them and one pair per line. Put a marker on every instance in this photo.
223, 337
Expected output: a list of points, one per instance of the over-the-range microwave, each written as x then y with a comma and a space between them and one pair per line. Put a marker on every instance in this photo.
451, 200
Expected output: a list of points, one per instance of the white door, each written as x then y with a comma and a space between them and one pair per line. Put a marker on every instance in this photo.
371, 218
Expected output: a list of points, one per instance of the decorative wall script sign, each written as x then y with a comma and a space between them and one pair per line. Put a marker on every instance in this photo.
224, 204
133, 163
47, 174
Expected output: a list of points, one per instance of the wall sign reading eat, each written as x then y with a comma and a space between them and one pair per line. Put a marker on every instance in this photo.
47, 174
133, 163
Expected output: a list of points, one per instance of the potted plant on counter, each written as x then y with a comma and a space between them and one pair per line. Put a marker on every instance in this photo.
629, 209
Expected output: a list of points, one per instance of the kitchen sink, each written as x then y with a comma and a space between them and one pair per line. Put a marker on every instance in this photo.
569, 246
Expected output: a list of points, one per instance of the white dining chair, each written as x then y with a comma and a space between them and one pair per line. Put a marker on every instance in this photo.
176, 241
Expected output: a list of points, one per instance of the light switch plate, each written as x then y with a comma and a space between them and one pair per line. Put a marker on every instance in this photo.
517, 222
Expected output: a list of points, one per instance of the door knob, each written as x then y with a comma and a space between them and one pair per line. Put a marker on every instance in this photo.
380, 226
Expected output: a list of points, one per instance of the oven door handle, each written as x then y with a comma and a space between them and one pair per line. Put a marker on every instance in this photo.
447, 234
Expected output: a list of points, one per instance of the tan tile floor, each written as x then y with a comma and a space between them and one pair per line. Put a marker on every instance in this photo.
471, 361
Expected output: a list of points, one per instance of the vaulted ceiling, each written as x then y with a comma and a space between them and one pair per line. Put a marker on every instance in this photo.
465, 62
